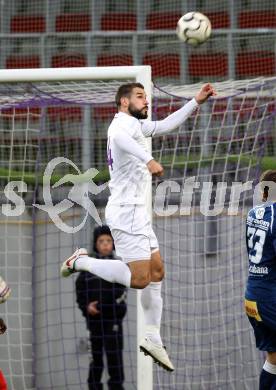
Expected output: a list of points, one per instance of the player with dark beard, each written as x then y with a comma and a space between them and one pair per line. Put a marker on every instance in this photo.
130, 165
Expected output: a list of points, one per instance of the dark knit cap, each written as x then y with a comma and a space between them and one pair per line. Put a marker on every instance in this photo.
99, 231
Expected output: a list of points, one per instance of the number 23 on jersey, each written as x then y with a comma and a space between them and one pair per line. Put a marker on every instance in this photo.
255, 242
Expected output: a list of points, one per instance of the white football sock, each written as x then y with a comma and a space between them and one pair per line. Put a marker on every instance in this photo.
114, 271
152, 304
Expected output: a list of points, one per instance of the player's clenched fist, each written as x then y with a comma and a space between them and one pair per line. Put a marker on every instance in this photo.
3, 327
155, 168
4, 290
206, 91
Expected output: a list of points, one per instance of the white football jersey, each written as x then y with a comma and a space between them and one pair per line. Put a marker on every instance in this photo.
129, 175
127, 153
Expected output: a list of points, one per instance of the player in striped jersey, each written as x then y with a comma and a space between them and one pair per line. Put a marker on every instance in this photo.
130, 165
260, 294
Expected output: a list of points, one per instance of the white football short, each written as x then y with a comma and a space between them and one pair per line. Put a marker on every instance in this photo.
132, 232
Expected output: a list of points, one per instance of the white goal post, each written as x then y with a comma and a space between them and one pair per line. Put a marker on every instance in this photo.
140, 74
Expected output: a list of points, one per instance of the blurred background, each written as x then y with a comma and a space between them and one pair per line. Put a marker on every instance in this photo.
41, 33
229, 139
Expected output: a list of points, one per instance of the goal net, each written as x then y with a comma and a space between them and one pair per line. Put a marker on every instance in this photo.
204, 327
226, 141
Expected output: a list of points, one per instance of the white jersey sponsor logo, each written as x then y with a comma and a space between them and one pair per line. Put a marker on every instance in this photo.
258, 270
264, 225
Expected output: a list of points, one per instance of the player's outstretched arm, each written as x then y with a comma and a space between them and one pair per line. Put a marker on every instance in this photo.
157, 128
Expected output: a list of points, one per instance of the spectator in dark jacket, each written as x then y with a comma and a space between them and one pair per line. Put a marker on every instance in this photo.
104, 307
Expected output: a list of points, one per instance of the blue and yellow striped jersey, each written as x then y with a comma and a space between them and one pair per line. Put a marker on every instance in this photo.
261, 249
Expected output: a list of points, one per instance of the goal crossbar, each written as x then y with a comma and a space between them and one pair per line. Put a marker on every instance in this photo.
140, 73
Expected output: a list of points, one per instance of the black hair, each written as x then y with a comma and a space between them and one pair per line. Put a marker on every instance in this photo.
269, 175
99, 231
125, 91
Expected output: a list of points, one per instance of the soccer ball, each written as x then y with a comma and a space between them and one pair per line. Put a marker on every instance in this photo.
193, 28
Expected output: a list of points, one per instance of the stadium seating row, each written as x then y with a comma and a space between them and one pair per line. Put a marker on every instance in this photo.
127, 21
258, 63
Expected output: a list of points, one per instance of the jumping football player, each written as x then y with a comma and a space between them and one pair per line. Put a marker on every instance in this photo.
129, 165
